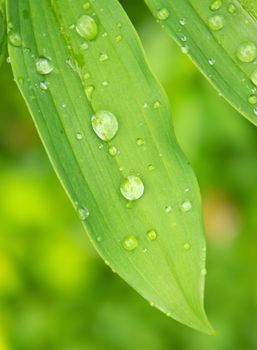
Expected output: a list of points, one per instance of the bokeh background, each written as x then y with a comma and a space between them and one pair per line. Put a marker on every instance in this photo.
57, 294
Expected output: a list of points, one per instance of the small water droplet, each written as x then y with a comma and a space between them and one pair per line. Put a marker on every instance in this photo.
105, 34
167, 209
129, 205
152, 235
113, 151
86, 27
151, 167
8, 59
216, 5
253, 77
103, 57
231, 8
86, 76
130, 243
182, 21
99, 239
119, 38
105, 125
156, 105
14, 39
84, 46
44, 66
252, 99
216, 22
212, 61
83, 213
163, 14
187, 246
44, 85
246, 52
255, 110
105, 83
79, 136
89, 92
185, 49
87, 6
186, 206
140, 141
183, 38
132, 188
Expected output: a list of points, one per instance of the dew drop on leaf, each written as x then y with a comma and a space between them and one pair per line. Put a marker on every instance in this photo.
132, 188
14, 39
252, 99
86, 27
105, 125
44, 66
246, 52
83, 213
216, 5
186, 206
152, 235
216, 22
163, 14
130, 243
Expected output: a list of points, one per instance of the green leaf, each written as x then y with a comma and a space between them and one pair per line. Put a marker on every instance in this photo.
70, 68
220, 37
2, 33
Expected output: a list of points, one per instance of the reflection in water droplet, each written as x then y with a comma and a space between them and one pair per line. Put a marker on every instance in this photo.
132, 188
246, 52
130, 243
44, 66
152, 235
216, 22
186, 206
163, 14
105, 125
86, 27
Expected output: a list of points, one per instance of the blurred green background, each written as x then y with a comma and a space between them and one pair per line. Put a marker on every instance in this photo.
56, 293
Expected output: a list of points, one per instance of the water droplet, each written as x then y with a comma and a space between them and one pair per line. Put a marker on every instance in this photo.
105, 83
156, 105
132, 188
105, 125
44, 85
252, 99
79, 136
129, 205
84, 46
89, 92
163, 14
182, 21
119, 25
216, 22
86, 27
152, 235
119, 38
105, 34
103, 57
187, 246
113, 151
151, 167
183, 38
44, 66
246, 52
212, 61
83, 213
14, 39
231, 8
145, 105
167, 209
255, 111
186, 206
130, 242
99, 239
87, 6
253, 77
8, 59
184, 49
86, 76
140, 141
215, 5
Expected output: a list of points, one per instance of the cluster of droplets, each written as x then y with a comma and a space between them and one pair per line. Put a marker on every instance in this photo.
246, 52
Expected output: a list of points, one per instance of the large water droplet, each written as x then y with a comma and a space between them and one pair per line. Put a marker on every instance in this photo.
14, 39
105, 125
87, 27
44, 66
246, 52
163, 14
216, 22
132, 188
252, 99
152, 235
253, 77
130, 242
